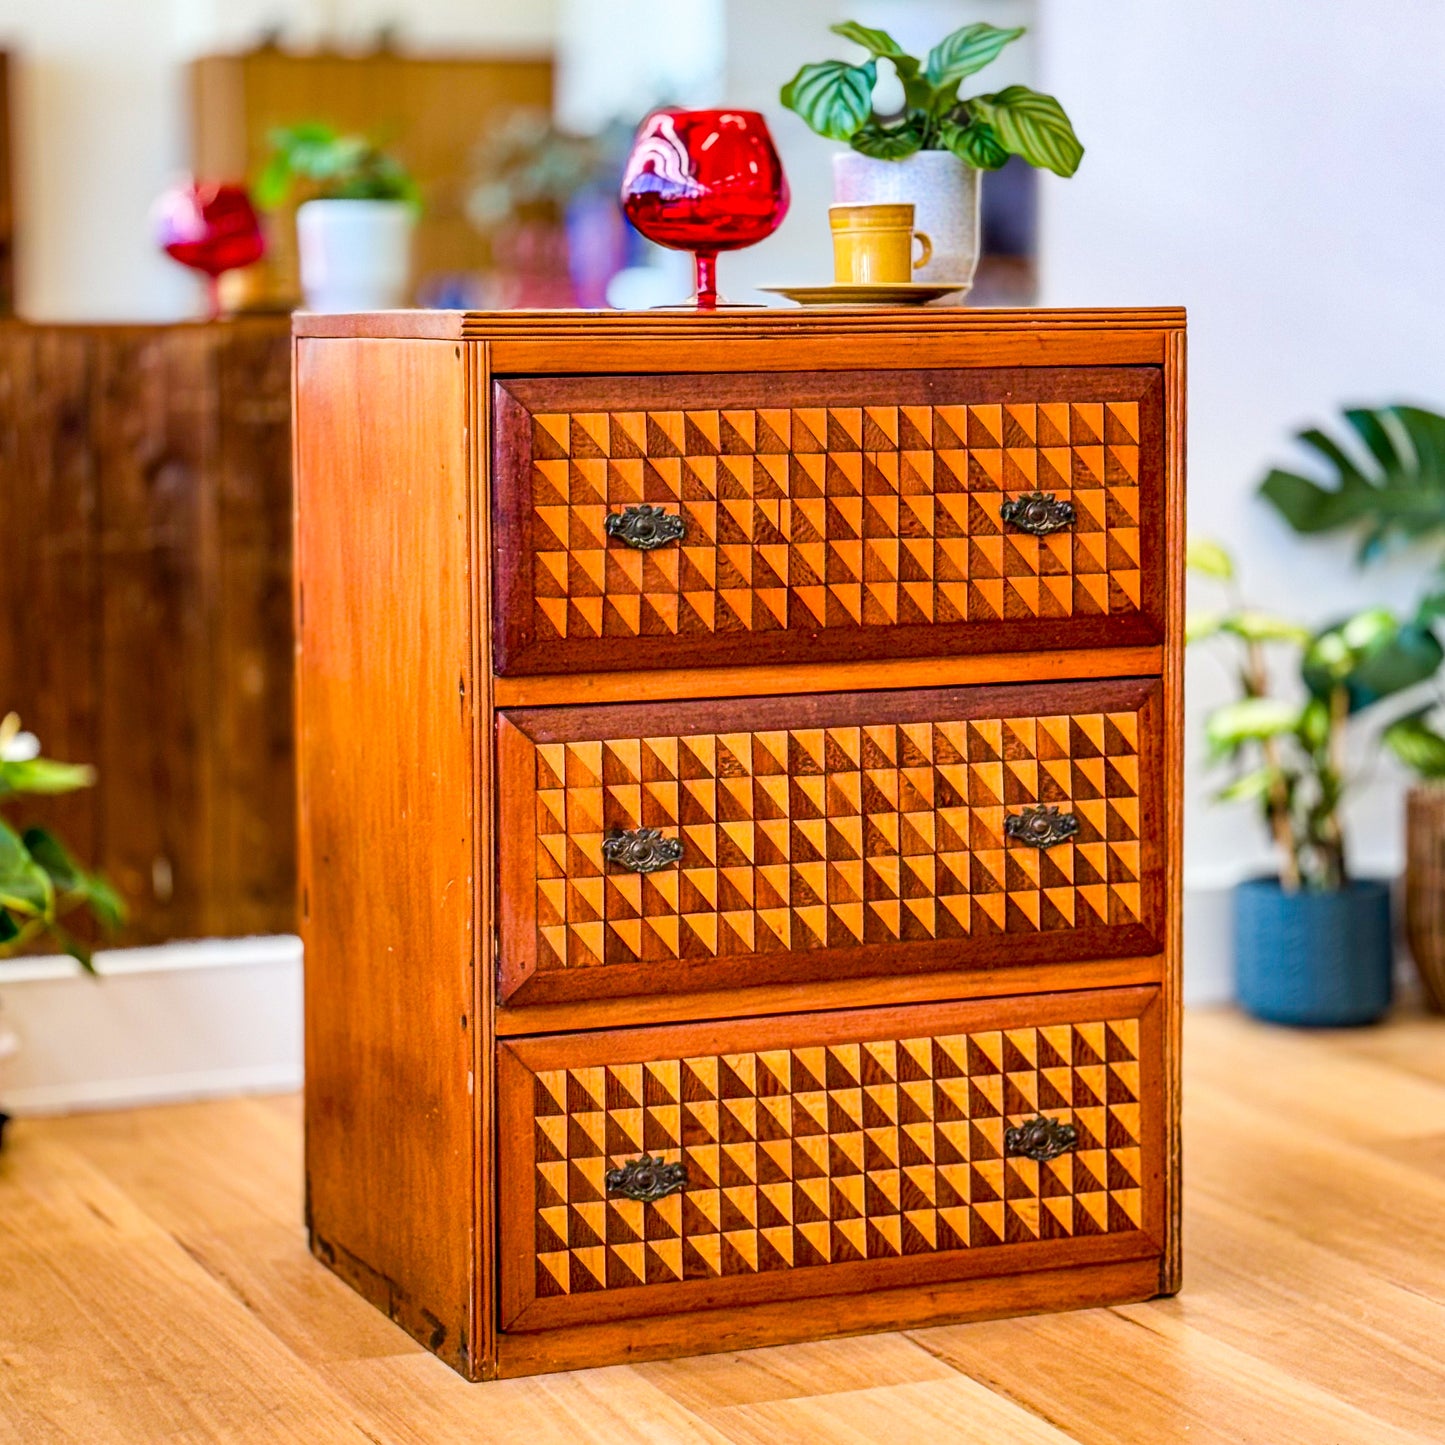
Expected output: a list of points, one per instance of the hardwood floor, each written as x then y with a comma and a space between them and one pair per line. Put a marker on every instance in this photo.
155, 1285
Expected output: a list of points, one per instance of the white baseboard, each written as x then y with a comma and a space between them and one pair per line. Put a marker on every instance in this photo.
181, 1021
223, 1016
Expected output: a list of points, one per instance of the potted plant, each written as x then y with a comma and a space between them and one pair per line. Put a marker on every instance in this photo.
1312, 944
354, 227
40, 883
932, 152
1386, 480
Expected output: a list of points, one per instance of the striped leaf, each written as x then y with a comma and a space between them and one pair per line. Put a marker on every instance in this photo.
1033, 126
834, 98
967, 51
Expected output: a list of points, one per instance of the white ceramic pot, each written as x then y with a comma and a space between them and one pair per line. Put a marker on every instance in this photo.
355, 255
944, 191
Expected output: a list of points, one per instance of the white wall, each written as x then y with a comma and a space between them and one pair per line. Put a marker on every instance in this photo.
1276, 169
101, 126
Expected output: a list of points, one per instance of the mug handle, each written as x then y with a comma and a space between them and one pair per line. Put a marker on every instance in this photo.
927, 255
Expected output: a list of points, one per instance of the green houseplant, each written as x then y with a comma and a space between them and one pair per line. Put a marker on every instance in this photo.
1312, 945
354, 224
40, 883
1385, 481
932, 152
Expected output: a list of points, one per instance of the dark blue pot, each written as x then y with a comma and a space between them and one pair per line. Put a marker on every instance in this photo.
1323, 960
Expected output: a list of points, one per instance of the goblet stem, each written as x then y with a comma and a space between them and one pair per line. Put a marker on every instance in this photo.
706, 273
213, 297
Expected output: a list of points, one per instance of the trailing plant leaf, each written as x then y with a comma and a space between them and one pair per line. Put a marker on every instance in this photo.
1249, 720
1261, 627
834, 98
42, 775
976, 143
1416, 744
1199, 625
1372, 656
1251, 787
888, 143
1209, 558
967, 51
9, 929
1398, 495
25, 887
1033, 126
74, 887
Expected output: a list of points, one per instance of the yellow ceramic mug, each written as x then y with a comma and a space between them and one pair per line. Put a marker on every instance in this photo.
874, 244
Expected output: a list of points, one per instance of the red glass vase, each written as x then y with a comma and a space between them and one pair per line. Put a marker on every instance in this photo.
210, 227
705, 181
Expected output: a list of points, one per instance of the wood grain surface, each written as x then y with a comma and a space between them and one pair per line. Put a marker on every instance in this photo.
392, 1155
169, 1241
147, 488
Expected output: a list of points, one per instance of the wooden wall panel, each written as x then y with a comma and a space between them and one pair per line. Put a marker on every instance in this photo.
145, 480
7, 190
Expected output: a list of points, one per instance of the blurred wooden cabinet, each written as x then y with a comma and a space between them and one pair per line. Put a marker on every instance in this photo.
431, 110
145, 498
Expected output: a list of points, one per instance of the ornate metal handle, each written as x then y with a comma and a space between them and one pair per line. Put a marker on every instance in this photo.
1041, 1138
1040, 827
1037, 512
647, 1179
643, 850
645, 527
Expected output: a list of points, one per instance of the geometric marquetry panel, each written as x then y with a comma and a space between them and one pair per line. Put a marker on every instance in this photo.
866, 833
808, 1156
877, 510
832, 516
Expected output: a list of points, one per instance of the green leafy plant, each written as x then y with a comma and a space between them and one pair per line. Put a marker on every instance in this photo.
1288, 754
836, 100
1387, 480
315, 162
40, 883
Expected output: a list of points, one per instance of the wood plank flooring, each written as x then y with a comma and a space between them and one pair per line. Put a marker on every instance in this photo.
155, 1286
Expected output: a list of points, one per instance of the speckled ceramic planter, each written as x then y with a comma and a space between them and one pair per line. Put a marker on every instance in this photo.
945, 196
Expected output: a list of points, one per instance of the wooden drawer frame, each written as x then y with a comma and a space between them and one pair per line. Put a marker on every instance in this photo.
521, 733
520, 1061
518, 533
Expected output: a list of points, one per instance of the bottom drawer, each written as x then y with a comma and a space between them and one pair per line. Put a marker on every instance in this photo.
658, 1170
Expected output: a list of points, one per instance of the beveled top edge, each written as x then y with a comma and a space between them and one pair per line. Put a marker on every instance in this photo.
681, 325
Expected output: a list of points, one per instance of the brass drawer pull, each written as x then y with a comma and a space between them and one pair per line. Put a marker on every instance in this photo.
643, 850
1037, 512
1041, 1138
645, 527
1041, 827
647, 1179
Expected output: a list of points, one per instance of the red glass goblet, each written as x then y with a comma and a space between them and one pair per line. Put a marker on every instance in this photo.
212, 228
705, 181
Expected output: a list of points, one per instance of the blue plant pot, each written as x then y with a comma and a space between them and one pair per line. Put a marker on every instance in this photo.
1322, 960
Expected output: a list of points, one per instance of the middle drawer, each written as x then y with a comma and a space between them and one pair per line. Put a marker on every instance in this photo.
668, 848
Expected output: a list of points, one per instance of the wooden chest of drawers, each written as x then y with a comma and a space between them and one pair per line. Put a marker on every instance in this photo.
739, 766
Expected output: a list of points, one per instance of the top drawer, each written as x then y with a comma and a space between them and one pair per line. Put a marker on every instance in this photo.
825, 516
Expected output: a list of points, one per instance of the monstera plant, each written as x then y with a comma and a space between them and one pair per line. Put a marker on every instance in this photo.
1385, 481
